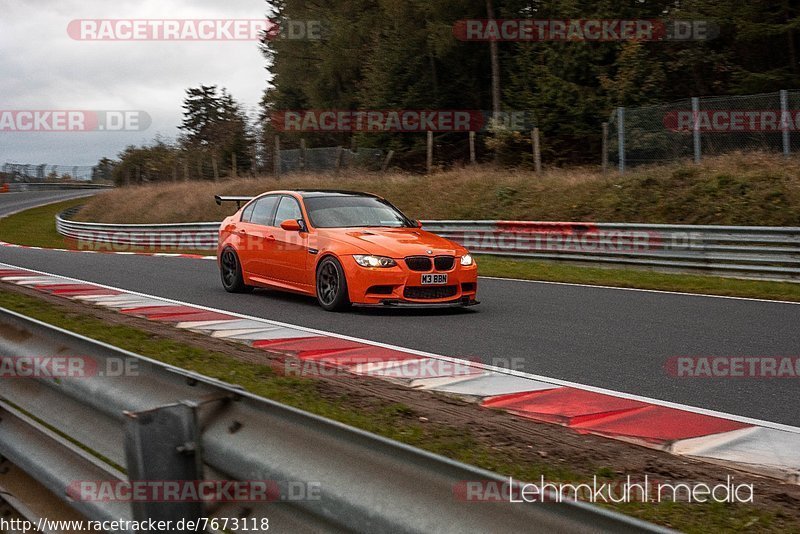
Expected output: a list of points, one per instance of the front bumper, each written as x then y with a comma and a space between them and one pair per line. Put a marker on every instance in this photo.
402, 287
389, 303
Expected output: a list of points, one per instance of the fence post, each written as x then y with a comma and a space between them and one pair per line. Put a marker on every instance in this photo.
785, 121
386, 161
429, 160
302, 154
604, 157
696, 128
472, 157
339, 155
537, 153
276, 158
621, 138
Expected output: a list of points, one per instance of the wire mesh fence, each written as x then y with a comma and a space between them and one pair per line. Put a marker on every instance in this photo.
328, 159
697, 127
21, 172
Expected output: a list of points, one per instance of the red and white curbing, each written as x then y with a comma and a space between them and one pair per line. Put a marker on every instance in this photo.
122, 253
757, 446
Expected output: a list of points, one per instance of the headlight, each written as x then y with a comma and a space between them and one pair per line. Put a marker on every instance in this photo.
374, 261
466, 260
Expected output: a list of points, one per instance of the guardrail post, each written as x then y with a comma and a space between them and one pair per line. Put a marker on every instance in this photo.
604, 157
696, 128
164, 445
621, 138
785, 121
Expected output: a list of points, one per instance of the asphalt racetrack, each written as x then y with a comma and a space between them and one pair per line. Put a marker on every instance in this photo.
22, 200
610, 338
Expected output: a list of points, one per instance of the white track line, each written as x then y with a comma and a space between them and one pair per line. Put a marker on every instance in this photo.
501, 370
682, 293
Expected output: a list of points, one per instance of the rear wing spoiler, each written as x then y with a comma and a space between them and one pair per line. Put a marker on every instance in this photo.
238, 200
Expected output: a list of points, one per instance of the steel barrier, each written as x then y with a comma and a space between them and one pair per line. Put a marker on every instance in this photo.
155, 422
12, 187
743, 251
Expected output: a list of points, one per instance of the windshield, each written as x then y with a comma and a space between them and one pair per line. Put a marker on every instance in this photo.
354, 211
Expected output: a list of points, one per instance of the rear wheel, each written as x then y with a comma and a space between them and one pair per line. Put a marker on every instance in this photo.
231, 272
332, 285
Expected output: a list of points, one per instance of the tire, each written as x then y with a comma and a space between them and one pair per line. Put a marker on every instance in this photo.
332, 285
230, 270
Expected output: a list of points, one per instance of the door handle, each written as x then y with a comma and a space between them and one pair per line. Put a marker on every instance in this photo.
270, 238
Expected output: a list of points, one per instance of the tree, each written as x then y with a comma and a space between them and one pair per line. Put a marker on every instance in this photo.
216, 127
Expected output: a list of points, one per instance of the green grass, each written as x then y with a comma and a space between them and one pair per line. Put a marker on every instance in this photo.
393, 420
636, 278
36, 227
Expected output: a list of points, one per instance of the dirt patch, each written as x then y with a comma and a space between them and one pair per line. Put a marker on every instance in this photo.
511, 437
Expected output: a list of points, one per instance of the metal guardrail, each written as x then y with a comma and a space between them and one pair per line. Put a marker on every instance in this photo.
190, 236
47, 186
744, 251
161, 423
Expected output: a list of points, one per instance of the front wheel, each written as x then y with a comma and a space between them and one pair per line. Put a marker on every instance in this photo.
231, 272
332, 285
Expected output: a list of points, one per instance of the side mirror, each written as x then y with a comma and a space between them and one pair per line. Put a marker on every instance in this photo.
418, 223
291, 225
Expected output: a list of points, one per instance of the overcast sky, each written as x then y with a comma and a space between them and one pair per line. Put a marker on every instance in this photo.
41, 68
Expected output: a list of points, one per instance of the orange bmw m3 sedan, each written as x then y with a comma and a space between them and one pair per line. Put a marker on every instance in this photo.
343, 247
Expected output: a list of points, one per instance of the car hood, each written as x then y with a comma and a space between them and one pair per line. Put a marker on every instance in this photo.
396, 242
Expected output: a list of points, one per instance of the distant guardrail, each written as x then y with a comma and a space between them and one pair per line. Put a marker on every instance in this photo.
95, 438
12, 187
744, 251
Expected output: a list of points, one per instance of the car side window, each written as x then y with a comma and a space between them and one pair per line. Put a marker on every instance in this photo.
288, 209
248, 212
264, 210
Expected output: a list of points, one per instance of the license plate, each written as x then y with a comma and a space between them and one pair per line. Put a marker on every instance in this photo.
434, 279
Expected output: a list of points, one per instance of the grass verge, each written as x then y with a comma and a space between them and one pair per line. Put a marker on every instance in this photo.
393, 420
36, 228
735, 189
636, 278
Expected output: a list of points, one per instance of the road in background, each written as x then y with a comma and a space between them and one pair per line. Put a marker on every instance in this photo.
14, 202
